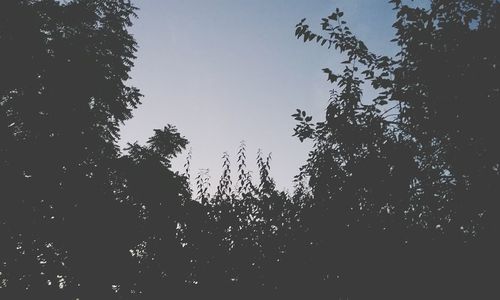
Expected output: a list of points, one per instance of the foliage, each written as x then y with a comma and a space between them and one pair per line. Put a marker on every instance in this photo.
398, 193
414, 168
63, 95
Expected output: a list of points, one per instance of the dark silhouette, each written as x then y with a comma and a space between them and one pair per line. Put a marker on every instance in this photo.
63, 97
406, 185
398, 199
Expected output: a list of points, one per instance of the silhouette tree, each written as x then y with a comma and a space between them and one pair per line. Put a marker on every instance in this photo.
411, 173
158, 194
397, 197
63, 96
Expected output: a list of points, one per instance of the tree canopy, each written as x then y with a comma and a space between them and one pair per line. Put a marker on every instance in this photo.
398, 198
410, 177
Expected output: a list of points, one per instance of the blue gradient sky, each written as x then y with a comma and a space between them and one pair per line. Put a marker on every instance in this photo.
223, 71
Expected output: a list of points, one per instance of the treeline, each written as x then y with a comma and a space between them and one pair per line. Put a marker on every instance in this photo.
398, 198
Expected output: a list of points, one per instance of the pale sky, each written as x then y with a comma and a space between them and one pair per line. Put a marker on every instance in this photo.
223, 71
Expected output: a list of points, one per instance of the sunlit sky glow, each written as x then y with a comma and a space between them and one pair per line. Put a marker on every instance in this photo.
223, 71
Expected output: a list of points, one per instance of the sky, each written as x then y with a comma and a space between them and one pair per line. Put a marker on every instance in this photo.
223, 71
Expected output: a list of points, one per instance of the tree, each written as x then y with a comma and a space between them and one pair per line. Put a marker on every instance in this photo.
399, 193
413, 172
63, 95
158, 197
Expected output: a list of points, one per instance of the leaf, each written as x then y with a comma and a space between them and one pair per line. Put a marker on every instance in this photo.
297, 31
362, 45
333, 17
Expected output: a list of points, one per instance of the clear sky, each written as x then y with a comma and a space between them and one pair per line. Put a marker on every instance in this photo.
223, 71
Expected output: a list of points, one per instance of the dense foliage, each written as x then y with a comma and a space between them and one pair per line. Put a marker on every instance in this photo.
398, 197
63, 97
407, 183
